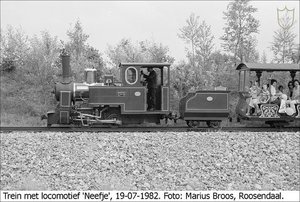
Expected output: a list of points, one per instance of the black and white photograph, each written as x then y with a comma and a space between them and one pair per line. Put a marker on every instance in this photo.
150, 100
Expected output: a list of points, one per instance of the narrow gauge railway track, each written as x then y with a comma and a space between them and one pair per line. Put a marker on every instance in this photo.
147, 129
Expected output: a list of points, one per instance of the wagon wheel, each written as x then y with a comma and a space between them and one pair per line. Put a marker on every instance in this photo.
193, 124
213, 124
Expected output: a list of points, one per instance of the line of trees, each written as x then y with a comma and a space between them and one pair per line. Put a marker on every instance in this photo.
30, 66
210, 67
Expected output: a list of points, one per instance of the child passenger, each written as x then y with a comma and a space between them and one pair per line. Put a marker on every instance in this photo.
290, 89
283, 98
296, 95
274, 95
264, 95
254, 91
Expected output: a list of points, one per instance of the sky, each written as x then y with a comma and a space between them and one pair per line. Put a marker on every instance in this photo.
107, 22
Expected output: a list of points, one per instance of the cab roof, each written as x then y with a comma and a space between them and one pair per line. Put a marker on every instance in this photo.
145, 65
268, 67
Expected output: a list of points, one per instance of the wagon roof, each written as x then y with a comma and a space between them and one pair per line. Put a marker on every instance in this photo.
145, 64
268, 67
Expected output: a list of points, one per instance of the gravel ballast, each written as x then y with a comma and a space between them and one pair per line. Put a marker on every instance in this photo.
150, 161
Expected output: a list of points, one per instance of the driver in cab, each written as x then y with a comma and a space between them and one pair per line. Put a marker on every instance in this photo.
151, 85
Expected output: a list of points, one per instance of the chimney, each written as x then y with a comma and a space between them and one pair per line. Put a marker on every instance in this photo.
66, 68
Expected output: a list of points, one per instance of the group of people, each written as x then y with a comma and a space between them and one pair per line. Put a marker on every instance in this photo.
274, 95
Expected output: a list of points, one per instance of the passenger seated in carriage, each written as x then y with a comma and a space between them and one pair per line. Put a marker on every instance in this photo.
283, 99
264, 96
253, 102
295, 96
274, 95
290, 89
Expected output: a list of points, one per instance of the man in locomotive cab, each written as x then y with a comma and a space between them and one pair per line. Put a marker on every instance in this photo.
151, 85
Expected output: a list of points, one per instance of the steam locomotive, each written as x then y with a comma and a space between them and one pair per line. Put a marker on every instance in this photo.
120, 103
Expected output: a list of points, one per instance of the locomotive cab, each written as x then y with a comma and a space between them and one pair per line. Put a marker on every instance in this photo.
132, 77
268, 111
127, 101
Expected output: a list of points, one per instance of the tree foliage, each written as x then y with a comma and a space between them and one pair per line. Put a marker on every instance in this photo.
189, 33
204, 46
263, 58
82, 54
239, 30
223, 72
181, 77
283, 45
26, 90
14, 48
124, 51
199, 35
31, 66
155, 52
143, 51
296, 54
77, 39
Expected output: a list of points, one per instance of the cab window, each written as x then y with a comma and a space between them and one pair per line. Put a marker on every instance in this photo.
131, 75
166, 76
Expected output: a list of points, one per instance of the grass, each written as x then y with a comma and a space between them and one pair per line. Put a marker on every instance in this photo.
17, 120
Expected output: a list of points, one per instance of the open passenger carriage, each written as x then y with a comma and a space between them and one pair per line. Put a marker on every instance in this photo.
269, 112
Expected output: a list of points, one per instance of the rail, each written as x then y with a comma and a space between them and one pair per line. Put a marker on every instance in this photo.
147, 129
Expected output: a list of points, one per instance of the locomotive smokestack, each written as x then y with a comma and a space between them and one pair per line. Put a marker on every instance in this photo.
66, 68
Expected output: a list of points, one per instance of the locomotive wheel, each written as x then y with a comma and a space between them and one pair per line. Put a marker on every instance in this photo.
213, 124
113, 114
193, 124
